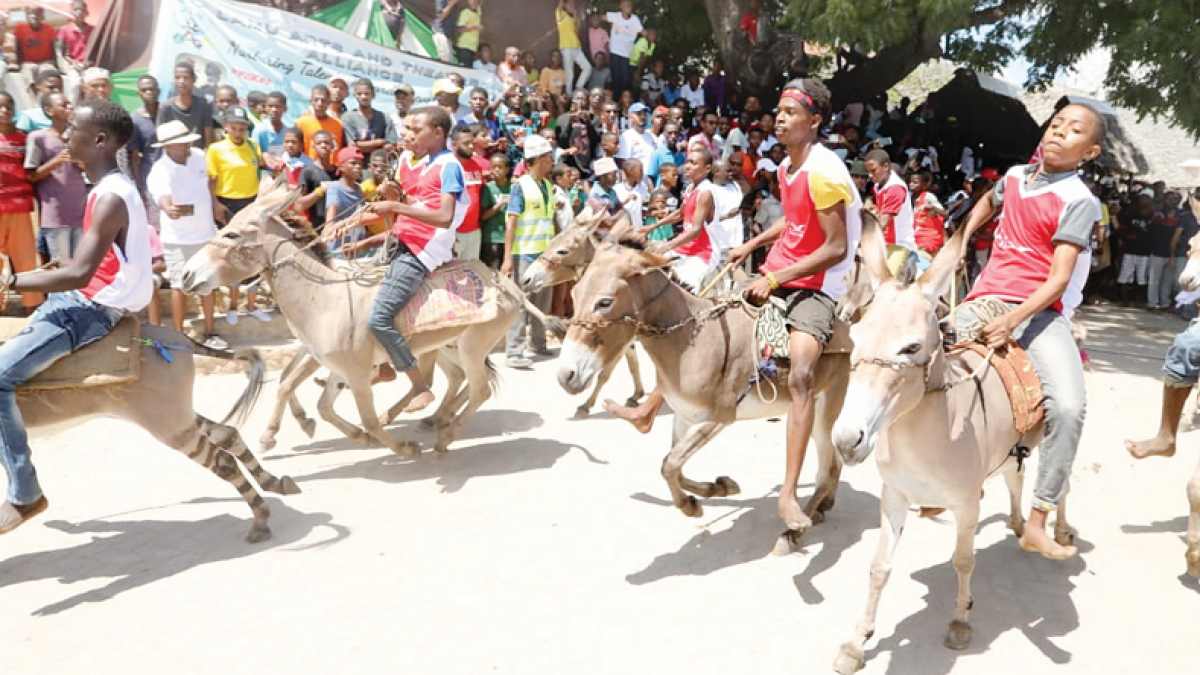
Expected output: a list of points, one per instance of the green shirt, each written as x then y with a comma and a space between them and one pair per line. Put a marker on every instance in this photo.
493, 228
642, 49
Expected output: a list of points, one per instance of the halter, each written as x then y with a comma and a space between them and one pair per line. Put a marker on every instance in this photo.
649, 330
897, 366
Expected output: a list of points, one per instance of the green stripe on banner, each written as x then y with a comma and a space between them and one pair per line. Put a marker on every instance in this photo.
421, 32
125, 89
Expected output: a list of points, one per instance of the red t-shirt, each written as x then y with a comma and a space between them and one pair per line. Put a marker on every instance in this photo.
16, 192
474, 187
700, 247
75, 39
750, 25
930, 228
37, 46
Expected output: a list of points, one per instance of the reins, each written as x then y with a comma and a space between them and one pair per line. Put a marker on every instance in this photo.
649, 330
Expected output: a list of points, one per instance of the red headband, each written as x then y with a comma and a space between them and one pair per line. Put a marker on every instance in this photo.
801, 97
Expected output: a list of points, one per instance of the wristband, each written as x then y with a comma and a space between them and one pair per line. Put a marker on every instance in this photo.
771, 280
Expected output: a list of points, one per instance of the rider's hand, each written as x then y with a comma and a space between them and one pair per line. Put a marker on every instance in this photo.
383, 208
998, 332
738, 255
506, 268
758, 291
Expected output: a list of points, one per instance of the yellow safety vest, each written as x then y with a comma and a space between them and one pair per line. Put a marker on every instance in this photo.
535, 225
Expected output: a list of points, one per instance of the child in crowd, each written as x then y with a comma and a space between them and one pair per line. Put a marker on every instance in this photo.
343, 197
470, 27
294, 160
494, 203
601, 76
377, 172
657, 223
484, 60
16, 199
268, 133
597, 37
316, 178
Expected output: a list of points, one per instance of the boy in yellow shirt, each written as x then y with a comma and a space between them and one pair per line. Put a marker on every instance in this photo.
470, 26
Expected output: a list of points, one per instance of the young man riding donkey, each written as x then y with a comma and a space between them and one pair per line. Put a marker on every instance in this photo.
812, 253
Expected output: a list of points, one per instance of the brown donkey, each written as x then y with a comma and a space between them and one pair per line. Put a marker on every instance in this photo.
706, 353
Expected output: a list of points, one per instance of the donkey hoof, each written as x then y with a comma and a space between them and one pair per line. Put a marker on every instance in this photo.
632, 401
309, 426
1193, 563
959, 635
1064, 537
691, 508
785, 544
826, 504
266, 444
726, 486
287, 486
430, 422
1017, 525
849, 660
407, 449
258, 534
818, 517
582, 412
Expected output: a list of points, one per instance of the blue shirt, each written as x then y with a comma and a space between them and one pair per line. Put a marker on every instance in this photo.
670, 94
607, 197
346, 199
663, 155
268, 139
33, 119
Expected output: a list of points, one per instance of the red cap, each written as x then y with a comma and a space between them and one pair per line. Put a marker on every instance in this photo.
662, 110
346, 154
991, 174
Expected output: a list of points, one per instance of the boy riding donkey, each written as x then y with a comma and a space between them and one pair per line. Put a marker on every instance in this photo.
813, 250
109, 276
1046, 221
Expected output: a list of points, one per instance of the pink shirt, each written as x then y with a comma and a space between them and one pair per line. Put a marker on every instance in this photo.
597, 40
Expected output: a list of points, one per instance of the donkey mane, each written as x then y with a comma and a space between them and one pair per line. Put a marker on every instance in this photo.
304, 233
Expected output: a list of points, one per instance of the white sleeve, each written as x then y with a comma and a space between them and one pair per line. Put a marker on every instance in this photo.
158, 182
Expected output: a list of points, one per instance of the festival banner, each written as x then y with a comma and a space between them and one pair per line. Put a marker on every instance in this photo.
255, 47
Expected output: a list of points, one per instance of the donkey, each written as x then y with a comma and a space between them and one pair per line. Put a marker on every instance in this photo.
327, 309
160, 401
567, 256
941, 440
706, 353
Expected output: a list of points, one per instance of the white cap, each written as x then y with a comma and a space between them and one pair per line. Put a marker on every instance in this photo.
92, 74
536, 146
766, 164
604, 166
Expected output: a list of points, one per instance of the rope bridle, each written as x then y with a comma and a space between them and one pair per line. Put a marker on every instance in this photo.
651, 330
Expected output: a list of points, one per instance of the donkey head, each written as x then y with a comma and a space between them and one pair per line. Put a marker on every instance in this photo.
895, 344
614, 290
240, 250
566, 256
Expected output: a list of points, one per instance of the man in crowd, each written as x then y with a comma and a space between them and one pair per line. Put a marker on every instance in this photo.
58, 181
529, 229
365, 128
318, 119
194, 111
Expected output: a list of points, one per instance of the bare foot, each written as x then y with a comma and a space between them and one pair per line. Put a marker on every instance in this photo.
1154, 447
792, 515
384, 373
641, 417
420, 402
1035, 540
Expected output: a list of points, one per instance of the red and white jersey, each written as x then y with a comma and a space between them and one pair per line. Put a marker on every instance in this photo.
442, 174
125, 278
893, 199
409, 169
702, 246
473, 174
1058, 208
820, 183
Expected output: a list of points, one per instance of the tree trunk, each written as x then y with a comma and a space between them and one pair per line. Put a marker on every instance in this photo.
882, 71
760, 69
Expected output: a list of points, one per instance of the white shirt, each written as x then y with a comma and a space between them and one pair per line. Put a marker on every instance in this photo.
770, 211
768, 143
634, 207
694, 97
728, 232
624, 33
929, 158
185, 184
637, 145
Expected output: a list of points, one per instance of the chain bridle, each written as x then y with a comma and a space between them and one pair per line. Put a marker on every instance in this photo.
926, 367
649, 330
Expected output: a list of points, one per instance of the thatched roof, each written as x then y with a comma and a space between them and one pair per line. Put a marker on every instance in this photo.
985, 112
1149, 149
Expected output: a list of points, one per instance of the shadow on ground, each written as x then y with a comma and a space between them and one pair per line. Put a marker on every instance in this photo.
753, 533
1011, 589
136, 553
456, 468
1128, 340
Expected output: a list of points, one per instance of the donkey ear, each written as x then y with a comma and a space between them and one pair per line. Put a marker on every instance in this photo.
873, 252
267, 187
935, 282
645, 261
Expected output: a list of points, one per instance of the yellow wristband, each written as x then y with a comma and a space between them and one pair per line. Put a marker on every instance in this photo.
320, 189
771, 280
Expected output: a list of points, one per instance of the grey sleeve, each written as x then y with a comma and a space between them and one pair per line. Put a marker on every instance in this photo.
1075, 223
33, 154
351, 127
998, 191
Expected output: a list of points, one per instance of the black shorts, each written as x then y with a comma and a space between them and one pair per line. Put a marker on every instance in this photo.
234, 205
808, 311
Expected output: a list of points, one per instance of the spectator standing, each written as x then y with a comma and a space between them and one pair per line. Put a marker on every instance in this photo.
468, 238
642, 53
470, 27
35, 42
178, 183
442, 28
636, 142
393, 16
494, 204
729, 230
929, 218
293, 159
365, 128
194, 111
16, 199
692, 91
234, 164
892, 201
626, 26
570, 47
484, 62
527, 234
58, 181
339, 91
144, 151
553, 79
1135, 223
653, 83
605, 170
268, 134
631, 192
529, 61
73, 37
665, 152
48, 80
343, 196
601, 75
316, 177
1165, 235
510, 71
318, 119
403, 102
8, 46
714, 88
96, 84
598, 38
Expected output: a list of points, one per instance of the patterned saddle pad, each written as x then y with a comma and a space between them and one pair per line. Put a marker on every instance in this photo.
1020, 380
459, 293
113, 359
771, 332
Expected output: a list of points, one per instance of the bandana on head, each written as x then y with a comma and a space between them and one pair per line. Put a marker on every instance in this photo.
800, 96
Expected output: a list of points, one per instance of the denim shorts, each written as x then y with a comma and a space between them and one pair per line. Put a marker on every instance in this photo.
1182, 365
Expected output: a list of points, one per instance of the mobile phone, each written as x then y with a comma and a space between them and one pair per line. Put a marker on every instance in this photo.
186, 209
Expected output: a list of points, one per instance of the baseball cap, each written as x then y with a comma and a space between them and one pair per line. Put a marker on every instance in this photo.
445, 86
536, 146
346, 154
637, 108
604, 166
766, 164
235, 114
858, 168
405, 88
990, 174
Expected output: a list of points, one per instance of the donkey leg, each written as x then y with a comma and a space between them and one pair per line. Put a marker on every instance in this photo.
635, 371
364, 399
478, 389
302, 366
691, 440
1193, 531
893, 509
602, 379
329, 395
230, 440
1014, 478
965, 518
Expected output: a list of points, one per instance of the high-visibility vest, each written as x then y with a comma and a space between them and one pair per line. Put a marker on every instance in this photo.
535, 225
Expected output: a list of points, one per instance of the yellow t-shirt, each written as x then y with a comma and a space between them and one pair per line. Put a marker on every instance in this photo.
235, 168
468, 18
553, 81
568, 37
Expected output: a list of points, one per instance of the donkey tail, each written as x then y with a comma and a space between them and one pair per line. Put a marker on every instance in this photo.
256, 371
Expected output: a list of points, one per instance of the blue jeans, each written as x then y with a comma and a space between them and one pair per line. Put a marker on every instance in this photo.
621, 74
1048, 340
1182, 365
404, 277
61, 242
63, 324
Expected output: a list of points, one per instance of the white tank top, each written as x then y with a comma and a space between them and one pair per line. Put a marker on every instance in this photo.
124, 279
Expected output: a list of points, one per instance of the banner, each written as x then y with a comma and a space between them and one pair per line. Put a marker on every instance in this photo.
253, 47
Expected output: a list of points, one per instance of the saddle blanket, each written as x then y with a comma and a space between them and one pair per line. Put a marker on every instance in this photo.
459, 293
771, 332
113, 359
1020, 380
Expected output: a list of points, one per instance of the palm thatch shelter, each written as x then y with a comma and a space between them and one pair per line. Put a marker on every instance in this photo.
987, 114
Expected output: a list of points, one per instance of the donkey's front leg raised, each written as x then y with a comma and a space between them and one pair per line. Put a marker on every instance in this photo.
688, 439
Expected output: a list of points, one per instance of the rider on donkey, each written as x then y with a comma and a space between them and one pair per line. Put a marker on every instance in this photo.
109, 276
813, 250
1046, 222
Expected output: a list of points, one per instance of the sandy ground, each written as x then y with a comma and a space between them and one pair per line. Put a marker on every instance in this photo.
545, 545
